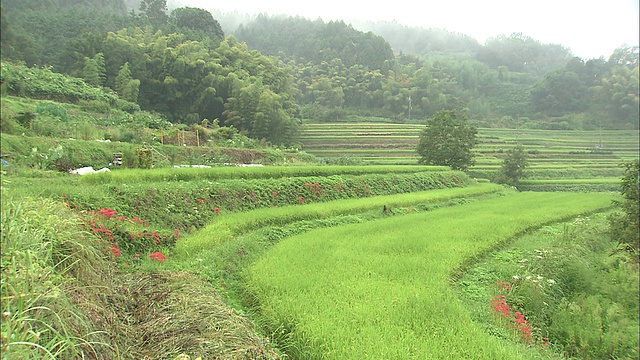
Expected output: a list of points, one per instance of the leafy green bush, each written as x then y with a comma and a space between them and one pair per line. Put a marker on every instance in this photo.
52, 109
625, 225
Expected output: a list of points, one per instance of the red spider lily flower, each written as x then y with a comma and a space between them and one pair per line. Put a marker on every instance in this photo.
217, 209
108, 213
200, 201
158, 256
115, 251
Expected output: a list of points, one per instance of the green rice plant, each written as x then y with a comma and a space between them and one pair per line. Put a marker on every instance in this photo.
382, 290
227, 226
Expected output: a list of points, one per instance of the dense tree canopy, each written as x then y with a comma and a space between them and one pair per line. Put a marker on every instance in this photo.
315, 41
559, 93
447, 140
196, 23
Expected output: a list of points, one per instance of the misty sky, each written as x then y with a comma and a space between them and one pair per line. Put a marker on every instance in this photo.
589, 28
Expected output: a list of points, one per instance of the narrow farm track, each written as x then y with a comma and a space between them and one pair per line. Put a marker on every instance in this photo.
381, 290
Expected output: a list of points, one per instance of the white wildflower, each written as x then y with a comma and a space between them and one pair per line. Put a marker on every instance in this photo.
516, 277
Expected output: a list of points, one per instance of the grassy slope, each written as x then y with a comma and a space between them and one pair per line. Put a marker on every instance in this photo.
382, 290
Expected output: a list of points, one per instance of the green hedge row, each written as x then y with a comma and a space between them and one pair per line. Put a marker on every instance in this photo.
188, 205
584, 187
231, 225
221, 173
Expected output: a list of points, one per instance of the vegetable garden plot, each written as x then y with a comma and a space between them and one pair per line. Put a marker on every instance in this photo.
382, 290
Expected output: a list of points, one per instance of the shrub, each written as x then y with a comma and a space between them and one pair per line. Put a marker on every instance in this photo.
513, 167
53, 109
625, 225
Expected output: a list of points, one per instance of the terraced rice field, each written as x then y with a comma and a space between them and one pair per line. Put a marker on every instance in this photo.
382, 290
552, 154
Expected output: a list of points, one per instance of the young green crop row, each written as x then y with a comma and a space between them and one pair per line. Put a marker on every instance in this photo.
382, 290
230, 225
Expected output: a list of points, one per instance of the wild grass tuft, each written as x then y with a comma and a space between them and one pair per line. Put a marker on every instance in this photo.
47, 262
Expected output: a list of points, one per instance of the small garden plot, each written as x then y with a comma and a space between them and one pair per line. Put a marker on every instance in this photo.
382, 290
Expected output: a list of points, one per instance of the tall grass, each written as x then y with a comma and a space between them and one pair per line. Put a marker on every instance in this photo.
47, 262
382, 291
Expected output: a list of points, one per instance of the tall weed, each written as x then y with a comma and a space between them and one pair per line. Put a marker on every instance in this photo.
46, 259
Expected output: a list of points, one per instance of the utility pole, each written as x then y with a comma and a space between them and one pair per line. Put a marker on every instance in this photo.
409, 107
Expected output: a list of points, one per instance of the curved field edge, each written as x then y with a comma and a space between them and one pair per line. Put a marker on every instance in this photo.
227, 226
381, 289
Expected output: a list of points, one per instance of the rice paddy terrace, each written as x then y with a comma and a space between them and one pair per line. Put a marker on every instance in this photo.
594, 157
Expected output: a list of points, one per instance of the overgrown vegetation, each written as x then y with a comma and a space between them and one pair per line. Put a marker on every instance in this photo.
625, 224
55, 285
575, 290
62, 296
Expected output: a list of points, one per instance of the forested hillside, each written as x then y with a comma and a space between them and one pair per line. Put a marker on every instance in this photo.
510, 81
273, 72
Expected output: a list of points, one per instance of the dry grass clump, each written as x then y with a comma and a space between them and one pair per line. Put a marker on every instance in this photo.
178, 314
